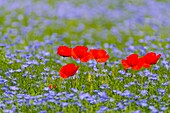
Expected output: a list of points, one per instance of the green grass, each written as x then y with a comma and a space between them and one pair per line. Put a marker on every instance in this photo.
35, 86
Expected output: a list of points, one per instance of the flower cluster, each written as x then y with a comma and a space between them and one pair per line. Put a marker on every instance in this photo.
136, 63
79, 53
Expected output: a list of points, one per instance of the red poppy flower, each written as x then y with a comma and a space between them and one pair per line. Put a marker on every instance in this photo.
140, 63
99, 55
150, 59
132, 61
80, 52
68, 70
50, 86
64, 51
86, 57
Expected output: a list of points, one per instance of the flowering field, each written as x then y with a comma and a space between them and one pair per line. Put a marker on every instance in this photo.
59, 56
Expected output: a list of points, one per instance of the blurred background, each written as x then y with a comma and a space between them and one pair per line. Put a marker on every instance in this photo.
90, 22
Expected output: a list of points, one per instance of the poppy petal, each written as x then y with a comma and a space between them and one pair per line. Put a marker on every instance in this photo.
104, 59
74, 55
86, 58
140, 64
64, 51
79, 51
132, 59
63, 75
152, 58
99, 55
68, 70
125, 64
146, 65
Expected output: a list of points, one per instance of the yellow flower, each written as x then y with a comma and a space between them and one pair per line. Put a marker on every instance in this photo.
89, 77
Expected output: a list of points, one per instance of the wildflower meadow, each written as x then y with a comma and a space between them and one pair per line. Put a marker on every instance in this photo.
84, 56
